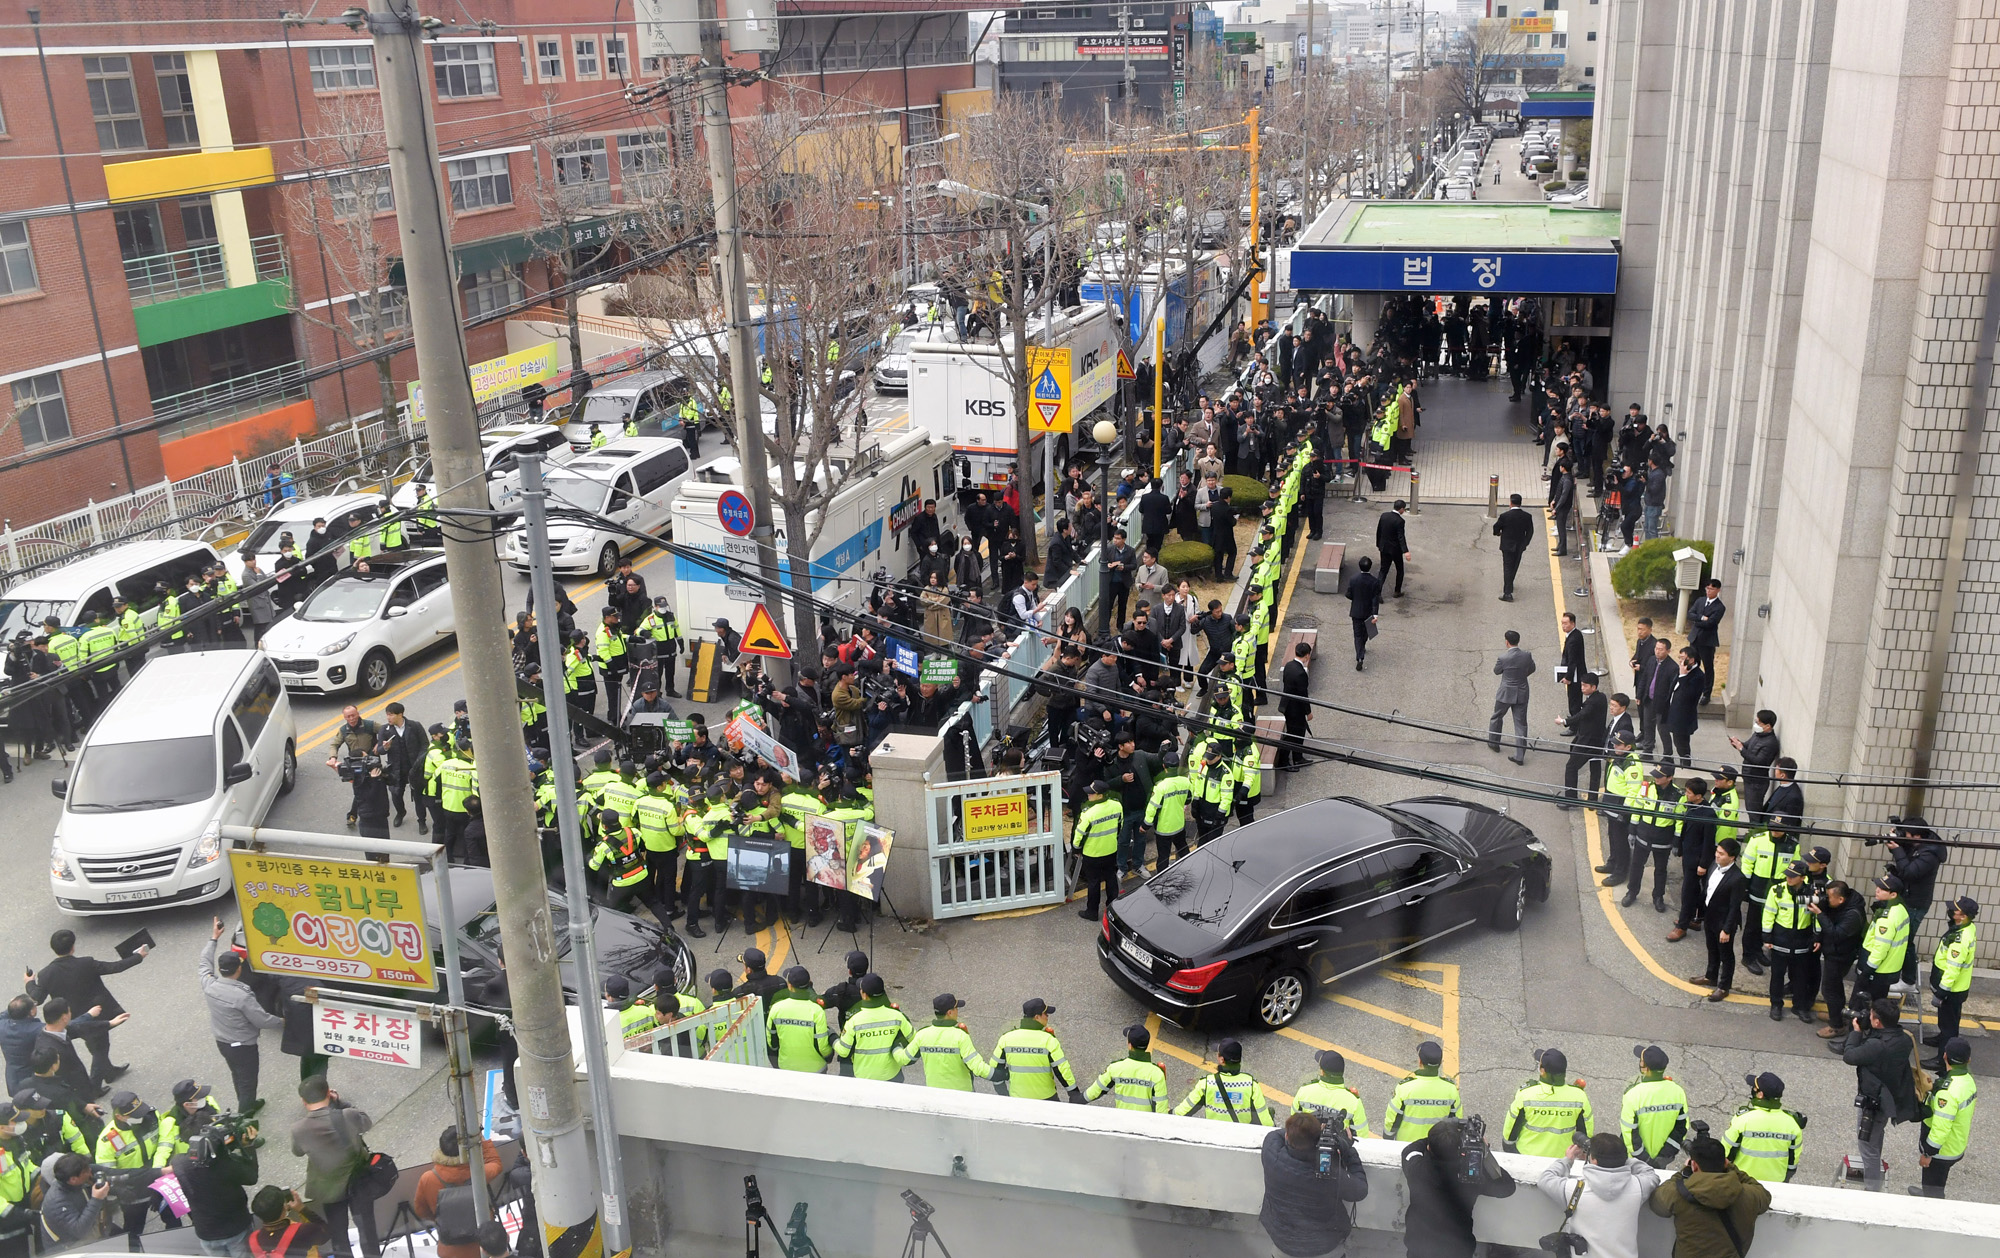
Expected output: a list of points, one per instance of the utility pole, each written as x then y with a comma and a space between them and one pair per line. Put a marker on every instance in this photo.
1125, 61
744, 389
1305, 114
582, 946
565, 1185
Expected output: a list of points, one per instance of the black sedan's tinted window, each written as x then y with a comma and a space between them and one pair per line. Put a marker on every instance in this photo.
1414, 864
1339, 887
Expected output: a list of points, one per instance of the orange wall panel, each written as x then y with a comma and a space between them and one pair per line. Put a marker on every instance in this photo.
258, 434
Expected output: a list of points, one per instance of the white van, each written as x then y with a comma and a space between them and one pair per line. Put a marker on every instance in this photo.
632, 480
502, 449
81, 588
195, 742
643, 397
296, 517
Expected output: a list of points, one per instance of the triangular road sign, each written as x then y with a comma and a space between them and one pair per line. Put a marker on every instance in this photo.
1049, 412
763, 638
1125, 371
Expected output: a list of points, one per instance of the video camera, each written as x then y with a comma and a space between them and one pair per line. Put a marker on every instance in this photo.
228, 1132
354, 768
1473, 1153
1332, 1136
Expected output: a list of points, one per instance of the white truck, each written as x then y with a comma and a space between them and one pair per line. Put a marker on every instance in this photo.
866, 530
963, 391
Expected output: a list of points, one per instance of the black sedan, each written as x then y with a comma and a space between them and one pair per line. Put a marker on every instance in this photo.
1246, 928
626, 945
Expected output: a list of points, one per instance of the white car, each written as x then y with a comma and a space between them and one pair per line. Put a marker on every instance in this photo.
195, 742
631, 481
892, 369
1456, 190
296, 517
355, 631
1575, 194
502, 448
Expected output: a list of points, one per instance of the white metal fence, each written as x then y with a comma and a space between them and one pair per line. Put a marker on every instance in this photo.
995, 843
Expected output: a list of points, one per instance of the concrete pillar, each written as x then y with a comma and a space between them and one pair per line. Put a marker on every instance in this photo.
211, 120
1649, 70
1367, 313
902, 763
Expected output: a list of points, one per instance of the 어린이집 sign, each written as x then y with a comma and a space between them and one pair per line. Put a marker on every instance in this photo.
334, 919
359, 1033
996, 817
496, 377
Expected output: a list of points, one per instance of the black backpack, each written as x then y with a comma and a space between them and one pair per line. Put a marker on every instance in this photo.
457, 1224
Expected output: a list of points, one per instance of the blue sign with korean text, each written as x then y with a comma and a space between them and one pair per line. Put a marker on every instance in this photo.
735, 513
1470, 271
903, 658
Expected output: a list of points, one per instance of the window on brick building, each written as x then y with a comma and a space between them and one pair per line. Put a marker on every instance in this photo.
488, 291
583, 174
17, 261
114, 103
464, 70
549, 58
616, 63
170, 76
198, 220
39, 411
586, 55
346, 68
644, 158
349, 192
385, 319
479, 182
139, 234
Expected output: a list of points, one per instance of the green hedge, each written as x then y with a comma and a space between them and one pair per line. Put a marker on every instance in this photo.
1649, 566
1554, 185
1246, 495
1182, 559
1544, 167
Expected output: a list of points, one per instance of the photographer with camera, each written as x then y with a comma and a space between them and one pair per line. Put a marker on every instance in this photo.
1311, 1172
74, 1203
1841, 926
1714, 1205
286, 1229
1885, 1087
215, 1175
1601, 1199
1915, 855
370, 805
1446, 1173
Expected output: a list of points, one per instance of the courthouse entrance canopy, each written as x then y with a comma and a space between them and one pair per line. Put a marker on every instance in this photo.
1504, 248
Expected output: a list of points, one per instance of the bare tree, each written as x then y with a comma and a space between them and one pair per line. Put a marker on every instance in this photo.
1484, 53
350, 210
821, 252
572, 188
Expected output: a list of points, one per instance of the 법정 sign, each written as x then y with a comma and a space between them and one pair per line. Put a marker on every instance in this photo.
334, 919
996, 817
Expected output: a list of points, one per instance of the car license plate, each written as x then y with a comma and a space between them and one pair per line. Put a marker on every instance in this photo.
126, 897
1136, 953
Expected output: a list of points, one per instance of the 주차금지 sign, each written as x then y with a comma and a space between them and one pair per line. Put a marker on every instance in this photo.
359, 1033
353, 920
996, 817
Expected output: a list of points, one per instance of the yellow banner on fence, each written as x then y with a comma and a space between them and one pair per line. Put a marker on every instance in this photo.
497, 377
334, 919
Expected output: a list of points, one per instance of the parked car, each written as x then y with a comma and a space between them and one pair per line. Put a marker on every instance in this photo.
1247, 928
195, 742
502, 448
647, 397
1214, 230
632, 480
82, 588
892, 369
355, 631
296, 517
1575, 194
1457, 190
629, 946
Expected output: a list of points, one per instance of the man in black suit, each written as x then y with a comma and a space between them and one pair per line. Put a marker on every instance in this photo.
1683, 712
1156, 511
1364, 601
1704, 634
1586, 738
1786, 803
1572, 660
1394, 542
1654, 691
1760, 751
1515, 528
1642, 674
1562, 501
1722, 890
1618, 721
1292, 705
80, 981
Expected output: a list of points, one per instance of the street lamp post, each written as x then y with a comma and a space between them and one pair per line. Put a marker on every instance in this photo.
910, 251
1106, 435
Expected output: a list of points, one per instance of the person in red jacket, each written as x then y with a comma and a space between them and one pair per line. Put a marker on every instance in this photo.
444, 1195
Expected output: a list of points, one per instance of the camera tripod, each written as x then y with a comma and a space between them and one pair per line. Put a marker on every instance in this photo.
756, 1218
922, 1231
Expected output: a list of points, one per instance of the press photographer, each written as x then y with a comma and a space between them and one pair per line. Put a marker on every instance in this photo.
1915, 855
75, 1202
1311, 1170
1447, 1172
1601, 1199
1714, 1205
215, 1174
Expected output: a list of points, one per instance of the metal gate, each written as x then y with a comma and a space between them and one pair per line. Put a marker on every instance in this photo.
729, 1030
996, 843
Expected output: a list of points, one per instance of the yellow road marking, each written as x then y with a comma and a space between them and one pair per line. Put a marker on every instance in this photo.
1386, 1014
1354, 1058
1298, 566
1594, 850
1450, 1019
1411, 980
1001, 915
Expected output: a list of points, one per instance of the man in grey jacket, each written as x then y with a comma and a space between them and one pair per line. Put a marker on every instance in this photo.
1513, 668
329, 1138
234, 1016
1609, 1191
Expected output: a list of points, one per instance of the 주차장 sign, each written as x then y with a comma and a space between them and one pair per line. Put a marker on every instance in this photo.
359, 1033
352, 920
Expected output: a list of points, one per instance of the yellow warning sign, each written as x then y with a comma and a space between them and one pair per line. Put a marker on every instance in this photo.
1048, 390
763, 638
1125, 371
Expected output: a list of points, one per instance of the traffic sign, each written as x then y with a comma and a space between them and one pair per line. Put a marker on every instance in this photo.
763, 638
733, 509
1049, 390
1125, 371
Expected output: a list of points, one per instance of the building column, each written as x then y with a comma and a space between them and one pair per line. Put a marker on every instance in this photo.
1647, 71
211, 119
1367, 313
